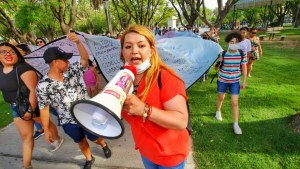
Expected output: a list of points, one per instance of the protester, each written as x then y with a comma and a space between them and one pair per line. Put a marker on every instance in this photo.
59, 88
158, 116
214, 36
118, 37
245, 44
40, 42
229, 77
91, 80
24, 50
12, 60
108, 34
256, 50
197, 32
206, 36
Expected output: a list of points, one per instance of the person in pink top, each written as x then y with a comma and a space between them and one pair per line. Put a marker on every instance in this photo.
91, 80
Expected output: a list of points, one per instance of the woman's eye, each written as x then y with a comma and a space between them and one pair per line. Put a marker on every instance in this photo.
127, 47
141, 46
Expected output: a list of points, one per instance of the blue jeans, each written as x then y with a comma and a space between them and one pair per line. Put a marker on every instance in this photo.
234, 88
150, 165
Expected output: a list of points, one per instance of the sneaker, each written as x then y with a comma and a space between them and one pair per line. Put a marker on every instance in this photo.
38, 134
88, 164
218, 116
29, 167
106, 151
237, 129
56, 144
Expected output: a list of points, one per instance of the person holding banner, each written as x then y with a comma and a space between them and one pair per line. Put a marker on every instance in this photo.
157, 112
14, 67
60, 88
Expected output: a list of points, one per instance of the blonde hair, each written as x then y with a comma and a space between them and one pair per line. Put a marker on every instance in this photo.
156, 63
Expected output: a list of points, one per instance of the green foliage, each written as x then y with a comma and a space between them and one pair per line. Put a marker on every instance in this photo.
26, 16
5, 113
95, 24
267, 106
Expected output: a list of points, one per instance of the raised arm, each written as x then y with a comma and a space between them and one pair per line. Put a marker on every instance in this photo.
84, 57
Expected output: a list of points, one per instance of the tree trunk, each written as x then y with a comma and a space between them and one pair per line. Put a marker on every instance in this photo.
60, 15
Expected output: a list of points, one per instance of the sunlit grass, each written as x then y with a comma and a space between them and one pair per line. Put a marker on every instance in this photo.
267, 105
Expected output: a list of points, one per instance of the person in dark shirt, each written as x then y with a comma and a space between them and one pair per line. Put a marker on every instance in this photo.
11, 59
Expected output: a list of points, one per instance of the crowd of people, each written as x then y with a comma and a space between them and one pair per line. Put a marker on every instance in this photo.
157, 114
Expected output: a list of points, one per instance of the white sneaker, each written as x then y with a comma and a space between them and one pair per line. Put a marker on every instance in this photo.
218, 116
237, 129
56, 144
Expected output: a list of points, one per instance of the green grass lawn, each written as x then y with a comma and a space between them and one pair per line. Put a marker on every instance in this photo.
267, 105
5, 113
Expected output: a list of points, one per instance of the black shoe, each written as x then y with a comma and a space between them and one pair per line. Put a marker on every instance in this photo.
88, 164
106, 151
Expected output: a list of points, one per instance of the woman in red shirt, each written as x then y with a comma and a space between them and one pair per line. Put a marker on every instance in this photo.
158, 116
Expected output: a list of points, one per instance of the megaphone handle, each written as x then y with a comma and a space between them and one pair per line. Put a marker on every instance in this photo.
130, 90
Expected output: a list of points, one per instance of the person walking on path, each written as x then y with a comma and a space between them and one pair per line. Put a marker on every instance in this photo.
91, 80
13, 65
229, 77
24, 50
158, 116
245, 44
59, 88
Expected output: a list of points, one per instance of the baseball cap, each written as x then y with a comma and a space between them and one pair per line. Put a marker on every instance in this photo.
54, 53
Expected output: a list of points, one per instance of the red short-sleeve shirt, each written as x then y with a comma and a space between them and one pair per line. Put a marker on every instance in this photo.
166, 147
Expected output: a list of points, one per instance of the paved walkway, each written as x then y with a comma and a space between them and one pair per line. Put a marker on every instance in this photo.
69, 156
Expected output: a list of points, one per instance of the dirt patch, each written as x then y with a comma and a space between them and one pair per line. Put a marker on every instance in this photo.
288, 43
295, 124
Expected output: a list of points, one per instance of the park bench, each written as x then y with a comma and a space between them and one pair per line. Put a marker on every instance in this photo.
282, 37
261, 37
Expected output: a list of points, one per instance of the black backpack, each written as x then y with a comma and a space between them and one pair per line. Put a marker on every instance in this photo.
221, 63
189, 126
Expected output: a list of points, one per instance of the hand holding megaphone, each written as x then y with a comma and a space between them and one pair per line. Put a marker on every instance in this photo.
133, 105
101, 115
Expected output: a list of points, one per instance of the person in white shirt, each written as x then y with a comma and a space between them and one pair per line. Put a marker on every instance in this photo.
245, 44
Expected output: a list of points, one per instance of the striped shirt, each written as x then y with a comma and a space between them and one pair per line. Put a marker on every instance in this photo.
231, 71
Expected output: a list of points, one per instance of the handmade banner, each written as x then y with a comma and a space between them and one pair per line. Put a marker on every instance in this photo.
190, 57
36, 59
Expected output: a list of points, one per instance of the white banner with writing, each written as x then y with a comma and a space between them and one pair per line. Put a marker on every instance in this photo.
190, 57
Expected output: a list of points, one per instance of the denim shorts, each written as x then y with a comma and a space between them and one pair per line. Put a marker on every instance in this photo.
77, 133
150, 165
13, 108
15, 114
234, 88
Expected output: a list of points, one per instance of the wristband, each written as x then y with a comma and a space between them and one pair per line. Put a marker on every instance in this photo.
146, 113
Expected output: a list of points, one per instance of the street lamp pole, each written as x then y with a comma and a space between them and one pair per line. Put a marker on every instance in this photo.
107, 14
